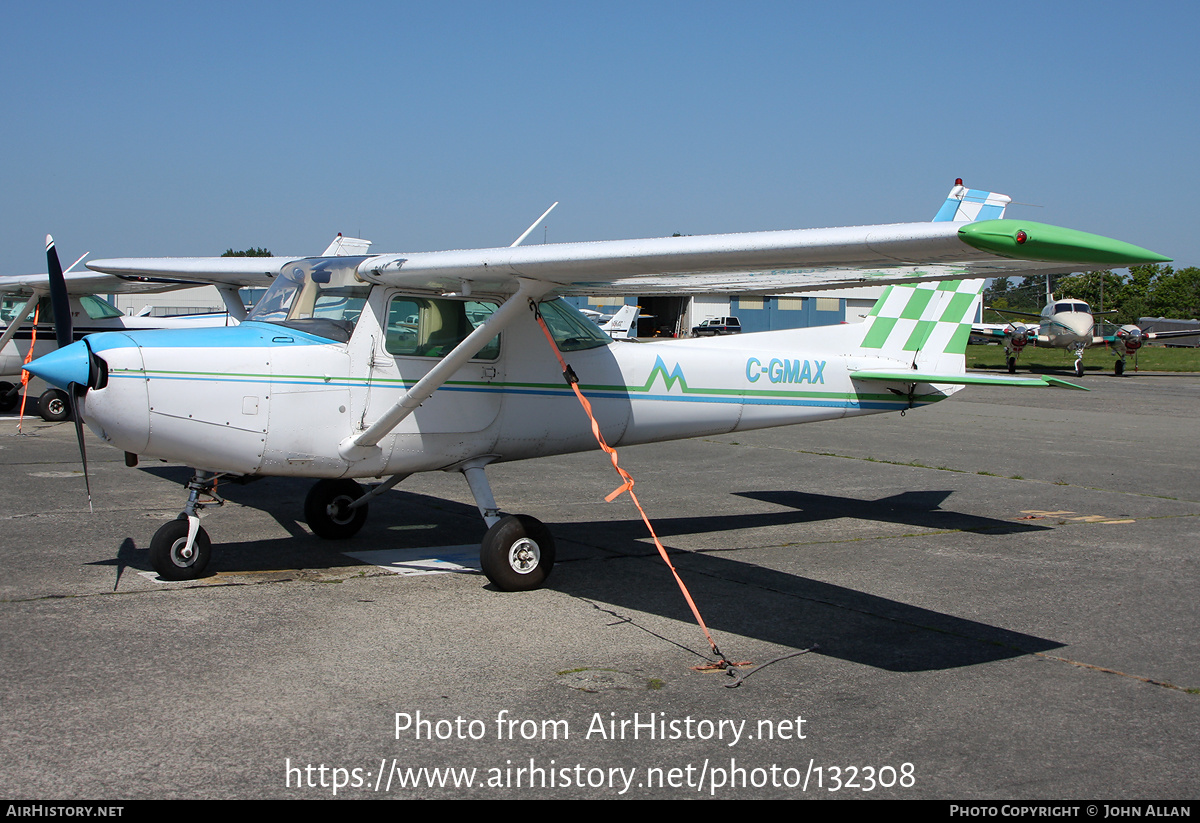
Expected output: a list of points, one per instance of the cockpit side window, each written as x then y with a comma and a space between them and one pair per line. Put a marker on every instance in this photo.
11, 305
433, 326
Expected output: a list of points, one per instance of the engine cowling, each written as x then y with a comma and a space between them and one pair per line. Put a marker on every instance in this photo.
1131, 337
1020, 335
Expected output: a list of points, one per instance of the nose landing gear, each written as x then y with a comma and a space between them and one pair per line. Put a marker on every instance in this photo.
181, 549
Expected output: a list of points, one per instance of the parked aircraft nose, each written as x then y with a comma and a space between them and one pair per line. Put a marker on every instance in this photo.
1080, 324
62, 367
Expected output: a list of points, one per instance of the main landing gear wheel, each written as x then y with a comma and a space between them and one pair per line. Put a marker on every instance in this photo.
8, 397
54, 406
1119, 368
168, 555
517, 553
1012, 365
327, 509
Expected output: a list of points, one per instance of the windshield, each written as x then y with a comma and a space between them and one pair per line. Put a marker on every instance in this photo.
319, 295
1071, 308
98, 309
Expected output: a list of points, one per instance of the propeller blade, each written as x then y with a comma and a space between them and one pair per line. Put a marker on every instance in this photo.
58, 295
66, 334
75, 387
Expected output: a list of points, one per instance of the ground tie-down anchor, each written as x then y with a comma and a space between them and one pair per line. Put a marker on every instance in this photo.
727, 666
738, 675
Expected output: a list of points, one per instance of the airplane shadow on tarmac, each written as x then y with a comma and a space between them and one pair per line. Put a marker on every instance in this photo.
612, 564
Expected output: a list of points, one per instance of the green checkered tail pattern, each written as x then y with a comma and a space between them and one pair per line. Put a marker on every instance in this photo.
926, 324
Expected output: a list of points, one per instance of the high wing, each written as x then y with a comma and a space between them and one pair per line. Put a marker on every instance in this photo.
233, 272
1030, 315
754, 262
993, 331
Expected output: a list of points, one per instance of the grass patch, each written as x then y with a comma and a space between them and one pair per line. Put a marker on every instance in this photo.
1097, 358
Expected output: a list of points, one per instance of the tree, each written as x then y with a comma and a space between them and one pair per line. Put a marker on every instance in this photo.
1176, 293
247, 253
1154, 290
1101, 289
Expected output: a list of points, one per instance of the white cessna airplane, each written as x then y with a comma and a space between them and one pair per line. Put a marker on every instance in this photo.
386, 365
1066, 323
20, 295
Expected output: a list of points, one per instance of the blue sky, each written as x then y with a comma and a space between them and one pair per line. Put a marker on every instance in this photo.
145, 129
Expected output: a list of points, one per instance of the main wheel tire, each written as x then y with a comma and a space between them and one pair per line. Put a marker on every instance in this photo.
517, 553
166, 551
8, 396
1012, 365
1119, 368
54, 406
327, 509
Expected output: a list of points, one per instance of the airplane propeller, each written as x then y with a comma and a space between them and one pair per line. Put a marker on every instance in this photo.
1132, 336
64, 331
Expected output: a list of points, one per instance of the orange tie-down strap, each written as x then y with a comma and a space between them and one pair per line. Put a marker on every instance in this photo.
627, 486
24, 374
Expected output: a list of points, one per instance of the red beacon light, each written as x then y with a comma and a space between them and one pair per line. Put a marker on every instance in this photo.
1021, 236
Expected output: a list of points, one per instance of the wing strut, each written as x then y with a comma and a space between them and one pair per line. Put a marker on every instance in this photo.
362, 445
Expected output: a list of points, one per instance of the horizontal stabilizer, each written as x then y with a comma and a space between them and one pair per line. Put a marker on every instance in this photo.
914, 376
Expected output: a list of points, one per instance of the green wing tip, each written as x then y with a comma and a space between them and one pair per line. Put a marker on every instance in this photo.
1026, 240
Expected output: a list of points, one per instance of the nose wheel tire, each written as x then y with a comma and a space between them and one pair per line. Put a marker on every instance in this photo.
1119, 368
327, 509
1012, 365
517, 553
169, 555
1079, 368
8, 397
54, 406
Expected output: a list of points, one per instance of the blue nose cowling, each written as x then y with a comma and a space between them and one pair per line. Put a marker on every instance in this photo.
62, 367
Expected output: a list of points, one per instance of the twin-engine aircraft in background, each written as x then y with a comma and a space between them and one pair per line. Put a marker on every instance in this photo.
20, 295
1069, 324
381, 366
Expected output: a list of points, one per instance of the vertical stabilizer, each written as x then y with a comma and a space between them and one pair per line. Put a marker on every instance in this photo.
622, 325
925, 325
343, 246
965, 205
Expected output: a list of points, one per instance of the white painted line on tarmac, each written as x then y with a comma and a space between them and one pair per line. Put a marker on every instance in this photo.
432, 560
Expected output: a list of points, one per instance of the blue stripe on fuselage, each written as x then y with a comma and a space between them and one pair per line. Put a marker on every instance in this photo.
246, 335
